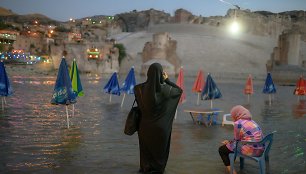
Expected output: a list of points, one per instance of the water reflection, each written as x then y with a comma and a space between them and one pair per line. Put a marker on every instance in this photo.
299, 109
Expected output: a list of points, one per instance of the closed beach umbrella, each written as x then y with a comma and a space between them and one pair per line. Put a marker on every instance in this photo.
180, 83
210, 91
112, 87
269, 87
300, 87
75, 81
198, 85
63, 92
5, 87
128, 84
248, 89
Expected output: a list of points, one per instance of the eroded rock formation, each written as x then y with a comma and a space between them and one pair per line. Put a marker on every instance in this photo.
163, 50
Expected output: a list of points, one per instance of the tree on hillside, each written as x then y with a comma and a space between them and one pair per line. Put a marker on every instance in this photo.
62, 29
122, 52
1, 47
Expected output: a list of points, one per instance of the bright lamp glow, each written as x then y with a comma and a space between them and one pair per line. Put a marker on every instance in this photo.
234, 28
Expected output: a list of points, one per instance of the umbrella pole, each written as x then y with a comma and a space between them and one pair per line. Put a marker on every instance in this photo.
4, 100
198, 101
110, 98
2, 104
123, 100
67, 116
270, 102
248, 98
72, 110
211, 104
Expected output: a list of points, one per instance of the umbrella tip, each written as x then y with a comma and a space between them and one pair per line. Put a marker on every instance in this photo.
73, 59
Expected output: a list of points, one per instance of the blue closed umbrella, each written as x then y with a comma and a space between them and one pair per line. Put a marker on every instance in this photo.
269, 87
63, 92
210, 91
112, 87
5, 87
128, 84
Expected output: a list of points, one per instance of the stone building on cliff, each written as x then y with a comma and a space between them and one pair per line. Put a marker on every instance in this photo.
286, 62
162, 50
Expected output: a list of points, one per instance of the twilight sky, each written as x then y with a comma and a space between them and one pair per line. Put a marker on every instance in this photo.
63, 10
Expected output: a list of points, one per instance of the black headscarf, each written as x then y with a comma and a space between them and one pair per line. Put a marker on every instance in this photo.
154, 81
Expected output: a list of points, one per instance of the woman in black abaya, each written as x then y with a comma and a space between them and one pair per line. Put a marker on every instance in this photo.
157, 99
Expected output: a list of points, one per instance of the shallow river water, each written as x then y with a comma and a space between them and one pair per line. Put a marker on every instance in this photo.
34, 137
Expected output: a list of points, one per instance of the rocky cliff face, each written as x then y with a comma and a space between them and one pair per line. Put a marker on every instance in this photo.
260, 23
136, 21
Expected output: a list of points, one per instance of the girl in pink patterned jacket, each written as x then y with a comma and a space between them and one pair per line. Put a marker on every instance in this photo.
245, 129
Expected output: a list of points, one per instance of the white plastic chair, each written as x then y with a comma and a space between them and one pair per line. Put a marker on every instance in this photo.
225, 121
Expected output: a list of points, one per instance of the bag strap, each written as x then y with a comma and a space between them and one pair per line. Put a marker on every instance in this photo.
140, 93
134, 102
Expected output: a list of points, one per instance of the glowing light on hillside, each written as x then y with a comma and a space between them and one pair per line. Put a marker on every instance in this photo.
234, 28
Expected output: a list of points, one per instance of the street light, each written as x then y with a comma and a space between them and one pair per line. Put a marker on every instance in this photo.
234, 27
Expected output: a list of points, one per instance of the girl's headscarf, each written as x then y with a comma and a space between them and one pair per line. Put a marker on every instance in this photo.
240, 112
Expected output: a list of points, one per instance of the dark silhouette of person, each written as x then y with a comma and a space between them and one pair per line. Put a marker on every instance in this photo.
157, 99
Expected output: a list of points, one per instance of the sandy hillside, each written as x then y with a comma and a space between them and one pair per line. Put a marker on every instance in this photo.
211, 49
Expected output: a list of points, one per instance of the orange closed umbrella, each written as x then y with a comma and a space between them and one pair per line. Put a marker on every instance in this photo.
199, 84
300, 87
248, 89
180, 83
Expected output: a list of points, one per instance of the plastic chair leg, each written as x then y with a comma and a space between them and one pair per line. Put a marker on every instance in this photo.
262, 166
241, 163
232, 162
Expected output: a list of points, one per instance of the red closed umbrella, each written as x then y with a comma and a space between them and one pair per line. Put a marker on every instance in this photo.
198, 84
300, 88
248, 89
180, 83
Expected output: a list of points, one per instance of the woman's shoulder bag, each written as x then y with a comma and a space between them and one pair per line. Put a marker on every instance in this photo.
132, 120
